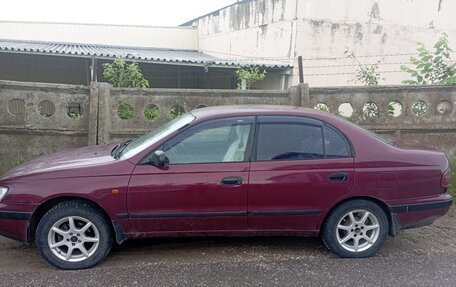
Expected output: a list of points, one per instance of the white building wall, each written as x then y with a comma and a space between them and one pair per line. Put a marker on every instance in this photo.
320, 31
137, 36
255, 29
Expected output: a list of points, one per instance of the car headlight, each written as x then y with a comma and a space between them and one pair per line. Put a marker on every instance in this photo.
3, 191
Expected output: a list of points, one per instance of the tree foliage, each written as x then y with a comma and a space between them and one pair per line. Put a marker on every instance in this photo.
73, 115
248, 76
126, 75
124, 110
152, 112
432, 67
367, 75
176, 111
322, 107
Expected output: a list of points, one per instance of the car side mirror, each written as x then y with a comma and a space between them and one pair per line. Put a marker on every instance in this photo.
158, 158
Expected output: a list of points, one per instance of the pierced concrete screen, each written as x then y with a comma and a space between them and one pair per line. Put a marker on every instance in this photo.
46, 108
16, 107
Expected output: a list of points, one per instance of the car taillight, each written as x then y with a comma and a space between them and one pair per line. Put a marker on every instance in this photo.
446, 179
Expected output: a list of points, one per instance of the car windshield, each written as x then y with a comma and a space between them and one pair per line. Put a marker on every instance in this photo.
137, 145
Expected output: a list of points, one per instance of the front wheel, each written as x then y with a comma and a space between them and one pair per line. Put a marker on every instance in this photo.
73, 235
355, 229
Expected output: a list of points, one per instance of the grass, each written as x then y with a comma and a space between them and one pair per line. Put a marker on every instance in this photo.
452, 188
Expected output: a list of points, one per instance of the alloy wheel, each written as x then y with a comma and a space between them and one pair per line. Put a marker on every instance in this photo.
73, 238
358, 230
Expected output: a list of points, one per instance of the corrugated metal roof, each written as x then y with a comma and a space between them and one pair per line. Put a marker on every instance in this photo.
133, 53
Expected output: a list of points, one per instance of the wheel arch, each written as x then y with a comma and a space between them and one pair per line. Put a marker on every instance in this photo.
392, 221
44, 207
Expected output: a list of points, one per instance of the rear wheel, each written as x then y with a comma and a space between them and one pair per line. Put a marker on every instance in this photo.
355, 229
73, 235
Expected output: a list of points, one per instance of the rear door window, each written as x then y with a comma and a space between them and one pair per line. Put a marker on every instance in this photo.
298, 138
289, 138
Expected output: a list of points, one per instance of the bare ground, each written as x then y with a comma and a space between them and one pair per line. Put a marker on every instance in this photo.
417, 257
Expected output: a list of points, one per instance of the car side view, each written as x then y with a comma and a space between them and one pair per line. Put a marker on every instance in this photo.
232, 170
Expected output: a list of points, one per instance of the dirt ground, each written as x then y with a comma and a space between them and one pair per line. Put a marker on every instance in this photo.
417, 257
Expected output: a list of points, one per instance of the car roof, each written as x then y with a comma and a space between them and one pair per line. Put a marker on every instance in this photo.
245, 110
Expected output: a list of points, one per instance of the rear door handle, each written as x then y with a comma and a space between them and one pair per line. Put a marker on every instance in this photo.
232, 180
338, 177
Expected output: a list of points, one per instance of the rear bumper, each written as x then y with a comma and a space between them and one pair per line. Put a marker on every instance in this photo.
419, 214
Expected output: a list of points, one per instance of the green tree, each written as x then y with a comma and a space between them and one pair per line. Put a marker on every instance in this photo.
322, 107
177, 111
125, 110
152, 112
367, 75
126, 75
432, 67
248, 76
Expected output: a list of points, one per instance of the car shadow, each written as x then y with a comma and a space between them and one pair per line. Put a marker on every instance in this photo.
163, 249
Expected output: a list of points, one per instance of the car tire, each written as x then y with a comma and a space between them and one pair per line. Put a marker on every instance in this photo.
79, 234
355, 229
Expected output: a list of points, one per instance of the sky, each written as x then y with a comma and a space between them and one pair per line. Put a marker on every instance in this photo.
130, 12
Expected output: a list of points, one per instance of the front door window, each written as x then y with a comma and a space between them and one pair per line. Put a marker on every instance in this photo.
223, 140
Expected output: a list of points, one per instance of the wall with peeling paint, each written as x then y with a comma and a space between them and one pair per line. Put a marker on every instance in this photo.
256, 28
36, 117
376, 31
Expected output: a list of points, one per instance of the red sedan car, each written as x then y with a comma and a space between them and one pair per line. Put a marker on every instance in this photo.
239, 170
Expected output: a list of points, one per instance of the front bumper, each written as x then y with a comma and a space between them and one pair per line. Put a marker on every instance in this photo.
14, 220
420, 213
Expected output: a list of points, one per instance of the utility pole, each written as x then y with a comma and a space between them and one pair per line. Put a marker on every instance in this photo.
301, 70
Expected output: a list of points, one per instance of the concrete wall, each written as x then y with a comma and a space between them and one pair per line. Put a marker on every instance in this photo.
120, 35
34, 117
321, 31
25, 133
434, 125
187, 100
264, 28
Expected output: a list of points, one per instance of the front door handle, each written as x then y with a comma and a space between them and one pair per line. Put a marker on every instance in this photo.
232, 180
338, 177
